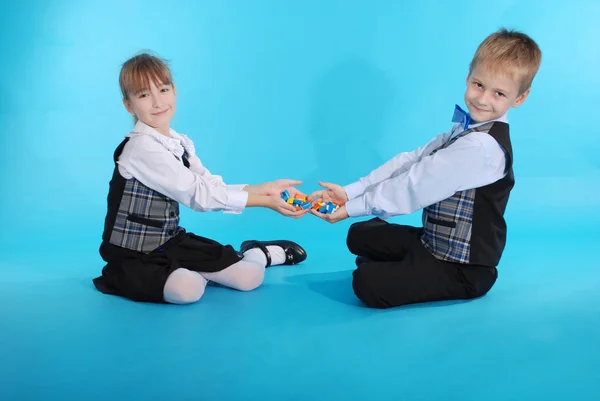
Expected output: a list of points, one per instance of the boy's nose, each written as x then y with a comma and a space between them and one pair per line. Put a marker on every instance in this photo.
484, 99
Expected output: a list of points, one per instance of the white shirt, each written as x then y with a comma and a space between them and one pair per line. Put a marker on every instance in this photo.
155, 160
414, 180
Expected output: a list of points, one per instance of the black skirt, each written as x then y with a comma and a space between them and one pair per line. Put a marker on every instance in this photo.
141, 277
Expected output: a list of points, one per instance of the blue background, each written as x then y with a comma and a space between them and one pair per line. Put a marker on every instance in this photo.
312, 90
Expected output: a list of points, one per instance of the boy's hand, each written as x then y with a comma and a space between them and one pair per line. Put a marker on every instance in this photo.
338, 215
332, 193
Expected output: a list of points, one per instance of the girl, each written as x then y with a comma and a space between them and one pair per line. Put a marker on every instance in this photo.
148, 256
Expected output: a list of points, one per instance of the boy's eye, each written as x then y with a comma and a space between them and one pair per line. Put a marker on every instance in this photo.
477, 84
500, 94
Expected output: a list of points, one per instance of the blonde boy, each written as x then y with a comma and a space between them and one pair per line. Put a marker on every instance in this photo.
461, 179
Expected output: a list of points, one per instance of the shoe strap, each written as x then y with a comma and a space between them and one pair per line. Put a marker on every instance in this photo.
265, 251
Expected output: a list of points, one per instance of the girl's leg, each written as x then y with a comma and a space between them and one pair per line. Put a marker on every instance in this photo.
248, 273
184, 286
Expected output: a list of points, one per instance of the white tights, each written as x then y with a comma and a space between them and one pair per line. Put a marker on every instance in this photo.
185, 286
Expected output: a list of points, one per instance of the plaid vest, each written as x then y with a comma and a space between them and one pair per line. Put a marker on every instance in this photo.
469, 226
138, 217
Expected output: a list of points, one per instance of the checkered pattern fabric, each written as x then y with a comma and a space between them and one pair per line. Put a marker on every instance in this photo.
145, 220
447, 224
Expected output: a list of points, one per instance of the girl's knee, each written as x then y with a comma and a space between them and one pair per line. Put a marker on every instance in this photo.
251, 278
184, 287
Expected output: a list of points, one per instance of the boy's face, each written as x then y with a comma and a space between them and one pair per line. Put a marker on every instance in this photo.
489, 96
154, 106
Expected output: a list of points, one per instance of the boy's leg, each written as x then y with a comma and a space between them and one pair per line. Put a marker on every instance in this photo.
378, 240
419, 277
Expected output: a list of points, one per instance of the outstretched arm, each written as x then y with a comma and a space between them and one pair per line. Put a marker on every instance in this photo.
149, 162
472, 161
393, 167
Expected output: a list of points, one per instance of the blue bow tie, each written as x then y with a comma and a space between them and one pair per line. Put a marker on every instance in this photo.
461, 116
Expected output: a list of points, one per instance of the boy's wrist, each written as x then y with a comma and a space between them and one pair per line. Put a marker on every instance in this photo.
354, 190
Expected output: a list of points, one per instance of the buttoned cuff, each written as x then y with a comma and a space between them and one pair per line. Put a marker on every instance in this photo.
236, 201
354, 190
357, 207
236, 187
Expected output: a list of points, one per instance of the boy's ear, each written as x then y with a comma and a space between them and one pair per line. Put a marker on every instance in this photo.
521, 98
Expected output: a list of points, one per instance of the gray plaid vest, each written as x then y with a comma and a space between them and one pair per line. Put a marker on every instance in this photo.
139, 218
469, 226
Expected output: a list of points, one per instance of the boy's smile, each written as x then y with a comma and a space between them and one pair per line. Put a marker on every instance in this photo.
490, 95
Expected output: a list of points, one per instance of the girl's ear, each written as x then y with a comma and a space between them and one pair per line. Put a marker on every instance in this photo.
128, 106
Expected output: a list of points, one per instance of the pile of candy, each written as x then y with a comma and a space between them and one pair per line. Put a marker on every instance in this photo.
303, 203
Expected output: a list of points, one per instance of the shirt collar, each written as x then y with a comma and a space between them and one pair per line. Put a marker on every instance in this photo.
144, 128
465, 119
173, 142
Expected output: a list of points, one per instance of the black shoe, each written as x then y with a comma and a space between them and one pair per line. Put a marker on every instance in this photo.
294, 253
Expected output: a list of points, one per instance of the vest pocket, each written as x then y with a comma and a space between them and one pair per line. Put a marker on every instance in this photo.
451, 224
143, 220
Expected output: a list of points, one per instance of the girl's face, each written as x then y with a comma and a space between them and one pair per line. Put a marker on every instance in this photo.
154, 106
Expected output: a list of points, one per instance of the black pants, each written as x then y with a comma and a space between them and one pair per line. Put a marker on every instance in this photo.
398, 270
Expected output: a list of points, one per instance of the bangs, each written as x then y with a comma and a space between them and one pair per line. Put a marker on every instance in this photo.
138, 72
509, 68
509, 53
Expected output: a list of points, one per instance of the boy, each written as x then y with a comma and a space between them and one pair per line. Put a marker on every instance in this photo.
461, 179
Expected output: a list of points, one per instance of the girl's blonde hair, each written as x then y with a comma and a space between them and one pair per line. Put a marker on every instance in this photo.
137, 72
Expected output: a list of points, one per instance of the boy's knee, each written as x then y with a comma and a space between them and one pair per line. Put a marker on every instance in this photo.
483, 283
365, 288
356, 237
184, 287
361, 233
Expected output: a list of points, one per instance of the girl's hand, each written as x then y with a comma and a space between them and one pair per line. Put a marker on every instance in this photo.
277, 204
275, 188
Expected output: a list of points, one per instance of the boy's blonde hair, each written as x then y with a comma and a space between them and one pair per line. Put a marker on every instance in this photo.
509, 52
137, 72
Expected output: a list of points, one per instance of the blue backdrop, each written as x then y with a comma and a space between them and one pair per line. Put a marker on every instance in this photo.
313, 90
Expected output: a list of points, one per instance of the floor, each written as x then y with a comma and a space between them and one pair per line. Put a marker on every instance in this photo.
303, 335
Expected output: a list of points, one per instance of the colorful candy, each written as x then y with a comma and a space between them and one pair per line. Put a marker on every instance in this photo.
303, 203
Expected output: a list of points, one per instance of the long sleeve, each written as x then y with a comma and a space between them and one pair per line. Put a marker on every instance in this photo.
156, 167
393, 167
472, 161
198, 168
